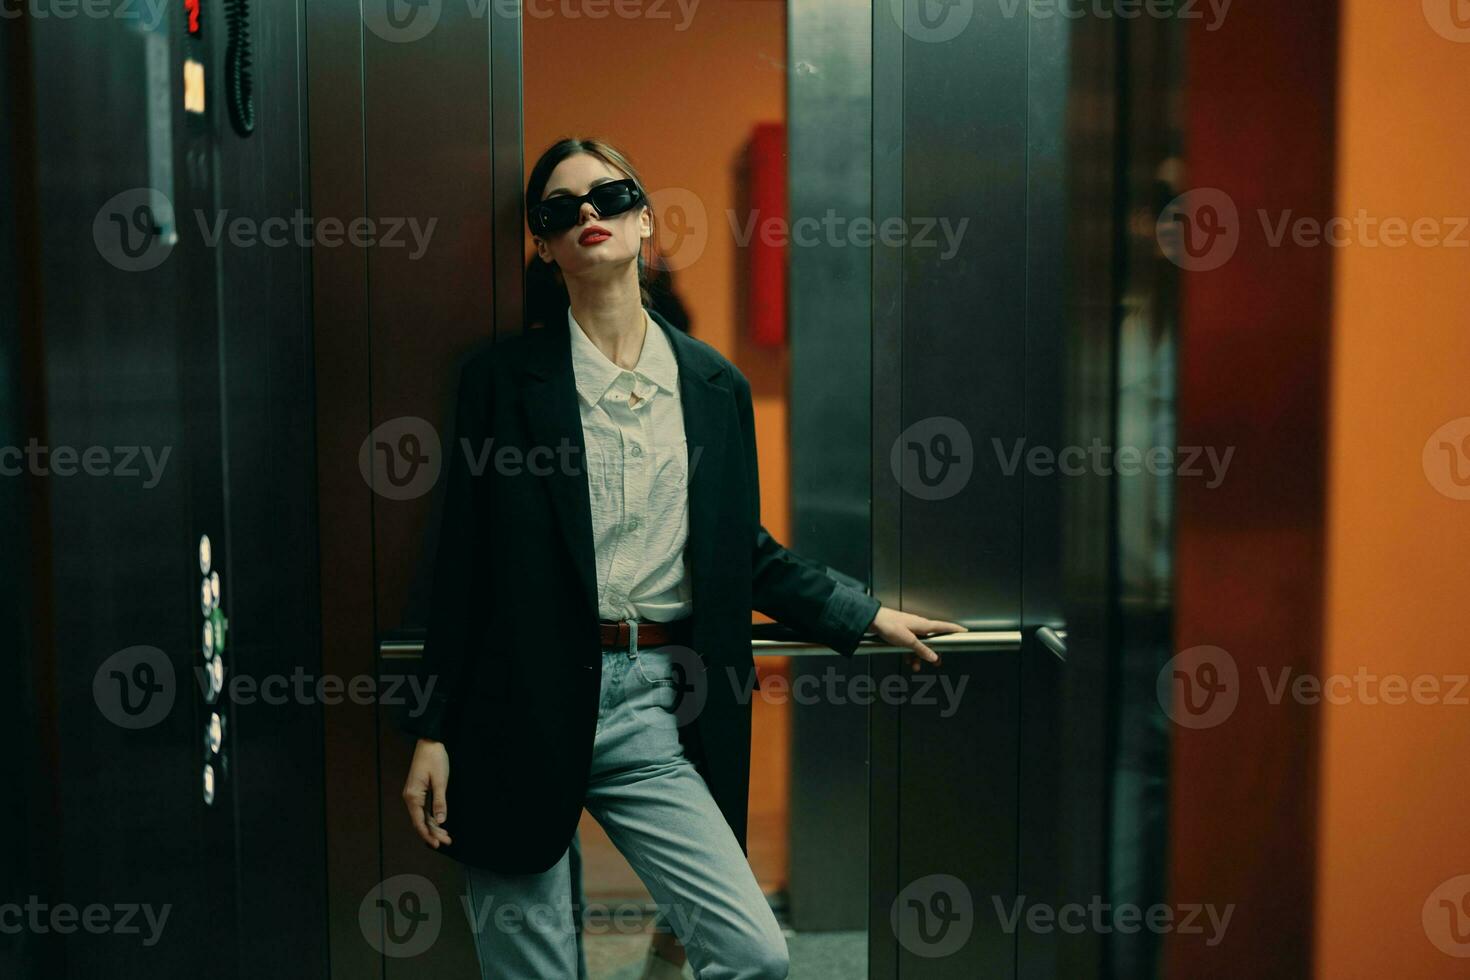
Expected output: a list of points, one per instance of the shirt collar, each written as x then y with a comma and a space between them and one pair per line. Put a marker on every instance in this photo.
595, 373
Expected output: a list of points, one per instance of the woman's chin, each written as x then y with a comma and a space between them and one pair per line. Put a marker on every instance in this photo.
594, 266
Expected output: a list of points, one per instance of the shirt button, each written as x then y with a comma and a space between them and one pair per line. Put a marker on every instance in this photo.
636, 451
634, 524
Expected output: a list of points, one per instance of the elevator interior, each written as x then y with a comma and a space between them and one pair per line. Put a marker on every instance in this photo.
265, 370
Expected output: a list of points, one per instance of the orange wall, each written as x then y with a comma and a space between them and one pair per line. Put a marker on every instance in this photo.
1395, 796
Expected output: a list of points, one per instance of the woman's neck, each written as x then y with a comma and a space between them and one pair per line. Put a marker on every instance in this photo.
611, 313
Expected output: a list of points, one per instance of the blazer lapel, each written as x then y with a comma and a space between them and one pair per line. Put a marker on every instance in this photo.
708, 406
554, 421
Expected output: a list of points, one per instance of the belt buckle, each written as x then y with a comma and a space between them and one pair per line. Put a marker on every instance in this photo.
633, 638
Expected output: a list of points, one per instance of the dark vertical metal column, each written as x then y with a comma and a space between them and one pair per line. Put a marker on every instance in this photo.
259, 369
117, 336
829, 110
960, 373
1044, 406
969, 316
169, 342
28, 683
1088, 507
415, 116
507, 173
334, 33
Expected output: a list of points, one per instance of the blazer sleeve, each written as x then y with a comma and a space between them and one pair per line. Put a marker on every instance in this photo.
452, 605
787, 587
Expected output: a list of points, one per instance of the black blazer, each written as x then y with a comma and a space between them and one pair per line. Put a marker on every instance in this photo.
513, 648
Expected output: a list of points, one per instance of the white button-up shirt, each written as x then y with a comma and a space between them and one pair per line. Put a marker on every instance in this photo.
637, 477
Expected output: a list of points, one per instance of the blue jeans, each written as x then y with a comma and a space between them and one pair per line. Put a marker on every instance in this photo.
659, 813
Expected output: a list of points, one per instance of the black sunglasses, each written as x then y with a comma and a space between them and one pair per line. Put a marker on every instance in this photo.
560, 213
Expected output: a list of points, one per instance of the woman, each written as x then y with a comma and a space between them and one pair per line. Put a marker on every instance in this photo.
600, 556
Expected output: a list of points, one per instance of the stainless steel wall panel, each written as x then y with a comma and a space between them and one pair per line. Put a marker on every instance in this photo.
970, 144
341, 323
964, 315
829, 111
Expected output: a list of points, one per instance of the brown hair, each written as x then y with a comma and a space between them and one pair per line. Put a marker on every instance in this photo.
536, 190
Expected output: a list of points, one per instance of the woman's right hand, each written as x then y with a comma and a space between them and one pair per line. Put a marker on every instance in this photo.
429, 774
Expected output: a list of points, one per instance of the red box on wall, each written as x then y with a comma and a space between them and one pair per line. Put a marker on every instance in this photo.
767, 249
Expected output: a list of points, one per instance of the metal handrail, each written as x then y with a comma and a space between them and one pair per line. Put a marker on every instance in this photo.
766, 645
1053, 640
968, 642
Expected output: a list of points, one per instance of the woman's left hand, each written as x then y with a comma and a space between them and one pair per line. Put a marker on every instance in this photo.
898, 628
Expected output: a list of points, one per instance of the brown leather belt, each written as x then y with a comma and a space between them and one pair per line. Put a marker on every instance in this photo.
619, 635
